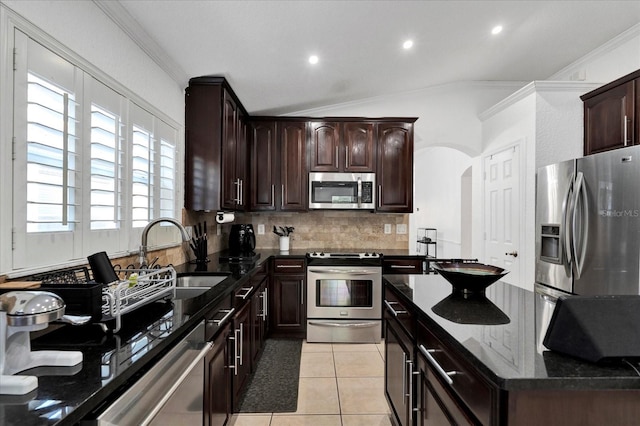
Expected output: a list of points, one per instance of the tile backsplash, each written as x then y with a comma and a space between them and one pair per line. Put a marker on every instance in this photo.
323, 229
348, 230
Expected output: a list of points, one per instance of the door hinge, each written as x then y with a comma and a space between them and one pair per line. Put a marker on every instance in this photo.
15, 59
13, 239
13, 148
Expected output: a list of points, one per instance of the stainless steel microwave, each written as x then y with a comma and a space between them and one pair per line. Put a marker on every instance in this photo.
346, 191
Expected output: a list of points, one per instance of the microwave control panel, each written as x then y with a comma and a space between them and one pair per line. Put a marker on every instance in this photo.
367, 192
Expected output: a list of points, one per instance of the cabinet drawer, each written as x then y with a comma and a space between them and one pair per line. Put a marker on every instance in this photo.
242, 294
436, 403
394, 308
288, 266
462, 381
406, 265
217, 317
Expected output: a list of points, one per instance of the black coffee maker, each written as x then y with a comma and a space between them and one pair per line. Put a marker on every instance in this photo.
242, 240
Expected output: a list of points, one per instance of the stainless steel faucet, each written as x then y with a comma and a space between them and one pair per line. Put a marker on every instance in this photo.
145, 232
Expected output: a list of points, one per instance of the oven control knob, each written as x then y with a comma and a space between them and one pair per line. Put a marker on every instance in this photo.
321, 253
366, 254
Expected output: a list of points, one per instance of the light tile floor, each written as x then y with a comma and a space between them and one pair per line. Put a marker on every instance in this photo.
340, 385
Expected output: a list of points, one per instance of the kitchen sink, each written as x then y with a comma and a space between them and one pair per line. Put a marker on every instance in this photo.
191, 286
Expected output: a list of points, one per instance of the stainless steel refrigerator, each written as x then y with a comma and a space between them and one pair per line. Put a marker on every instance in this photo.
587, 229
588, 224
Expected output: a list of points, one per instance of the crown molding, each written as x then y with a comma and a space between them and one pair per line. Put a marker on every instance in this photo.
127, 23
615, 42
580, 87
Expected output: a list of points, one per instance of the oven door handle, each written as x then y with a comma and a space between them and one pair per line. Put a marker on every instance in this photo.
345, 325
348, 272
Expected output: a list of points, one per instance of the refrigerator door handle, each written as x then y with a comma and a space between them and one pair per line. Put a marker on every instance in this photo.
567, 239
580, 194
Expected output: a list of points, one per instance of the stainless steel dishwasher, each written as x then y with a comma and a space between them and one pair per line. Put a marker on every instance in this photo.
170, 393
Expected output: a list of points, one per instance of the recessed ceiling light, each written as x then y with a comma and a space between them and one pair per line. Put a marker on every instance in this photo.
313, 59
496, 30
407, 44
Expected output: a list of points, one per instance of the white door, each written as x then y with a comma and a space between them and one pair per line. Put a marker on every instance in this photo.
502, 212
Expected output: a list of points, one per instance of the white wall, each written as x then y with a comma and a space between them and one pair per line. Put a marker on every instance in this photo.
437, 200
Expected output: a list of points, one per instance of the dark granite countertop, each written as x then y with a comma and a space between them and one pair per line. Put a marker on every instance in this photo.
66, 395
506, 354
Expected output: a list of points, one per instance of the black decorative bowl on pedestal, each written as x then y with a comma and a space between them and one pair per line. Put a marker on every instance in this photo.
469, 277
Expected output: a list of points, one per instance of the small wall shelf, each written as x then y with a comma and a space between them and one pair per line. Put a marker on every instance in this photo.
427, 242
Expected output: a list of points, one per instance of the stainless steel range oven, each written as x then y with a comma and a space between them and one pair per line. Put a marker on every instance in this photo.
344, 297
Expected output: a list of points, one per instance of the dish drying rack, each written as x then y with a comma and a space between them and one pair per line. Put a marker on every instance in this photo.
129, 294
85, 297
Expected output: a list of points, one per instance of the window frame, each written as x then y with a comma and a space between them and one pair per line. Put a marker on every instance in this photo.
130, 245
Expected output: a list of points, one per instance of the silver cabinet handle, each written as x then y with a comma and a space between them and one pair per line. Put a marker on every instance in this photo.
273, 195
265, 305
393, 311
282, 197
379, 195
235, 351
237, 184
446, 375
241, 343
301, 293
337, 157
289, 266
346, 158
247, 290
410, 388
219, 322
624, 132
403, 266
404, 373
411, 407
241, 201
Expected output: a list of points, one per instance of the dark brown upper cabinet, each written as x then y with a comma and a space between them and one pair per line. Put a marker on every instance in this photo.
234, 156
395, 167
264, 166
359, 148
342, 146
612, 115
278, 165
237, 162
215, 146
294, 191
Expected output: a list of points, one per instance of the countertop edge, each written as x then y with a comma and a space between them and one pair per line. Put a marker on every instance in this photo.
513, 384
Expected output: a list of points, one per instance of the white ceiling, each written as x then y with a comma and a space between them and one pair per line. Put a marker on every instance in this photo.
262, 47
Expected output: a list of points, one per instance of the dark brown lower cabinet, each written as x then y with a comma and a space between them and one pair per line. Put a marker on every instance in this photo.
242, 352
217, 395
289, 307
259, 310
398, 372
287, 299
435, 405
